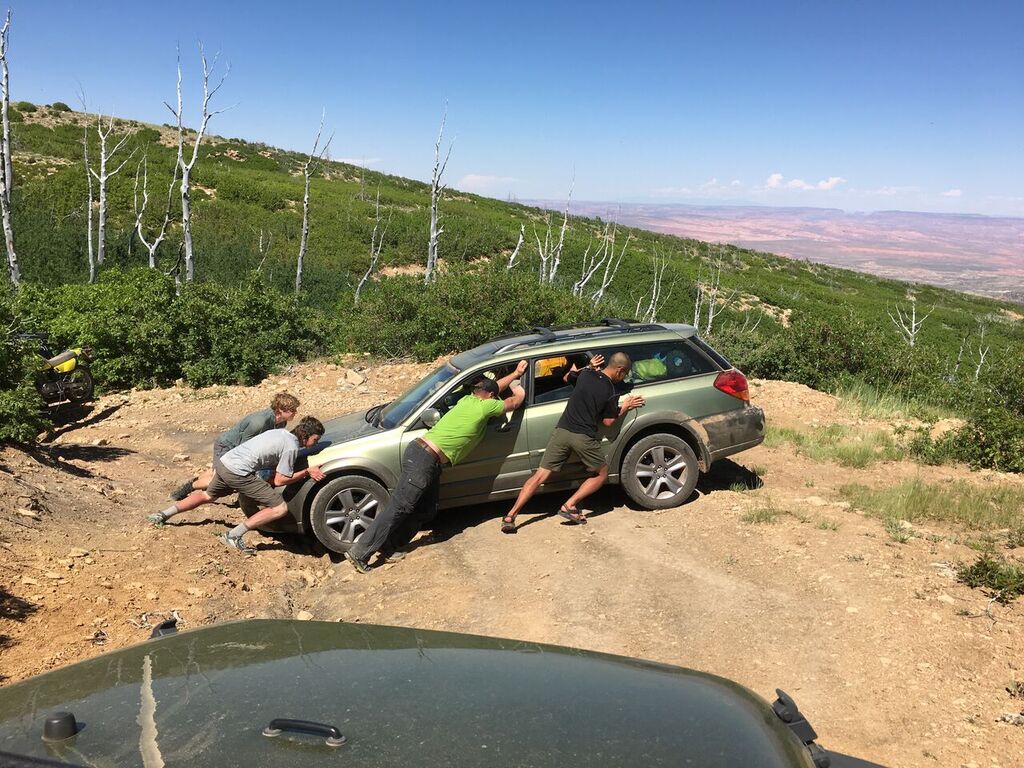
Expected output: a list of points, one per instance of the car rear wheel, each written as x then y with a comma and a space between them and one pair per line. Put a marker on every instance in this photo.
659, 471
344, 508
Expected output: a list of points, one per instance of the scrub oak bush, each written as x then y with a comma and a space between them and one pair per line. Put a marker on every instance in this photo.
400, 316
143, 334
20, 405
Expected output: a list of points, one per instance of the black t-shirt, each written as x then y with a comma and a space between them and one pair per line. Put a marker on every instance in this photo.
593, 399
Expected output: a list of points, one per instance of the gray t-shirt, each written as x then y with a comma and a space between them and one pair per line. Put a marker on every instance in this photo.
277, 446
247, 428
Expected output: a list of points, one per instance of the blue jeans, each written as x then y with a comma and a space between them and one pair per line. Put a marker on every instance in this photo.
413, 503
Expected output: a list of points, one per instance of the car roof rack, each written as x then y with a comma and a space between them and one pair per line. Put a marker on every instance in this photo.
545, 335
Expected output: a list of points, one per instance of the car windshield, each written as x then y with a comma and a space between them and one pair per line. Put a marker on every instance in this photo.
396, 412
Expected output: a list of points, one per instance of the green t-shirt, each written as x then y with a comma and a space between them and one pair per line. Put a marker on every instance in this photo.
459, 430
246, 429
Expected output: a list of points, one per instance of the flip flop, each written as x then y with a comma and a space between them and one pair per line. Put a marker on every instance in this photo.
572, 514
508, 525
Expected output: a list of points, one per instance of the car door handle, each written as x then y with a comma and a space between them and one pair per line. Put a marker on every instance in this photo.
505, 426
333, 737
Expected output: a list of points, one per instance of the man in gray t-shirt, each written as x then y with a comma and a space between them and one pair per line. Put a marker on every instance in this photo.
236, 472
282, 410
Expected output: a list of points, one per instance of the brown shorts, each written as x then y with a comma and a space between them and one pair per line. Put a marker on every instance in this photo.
563, 442
225, 482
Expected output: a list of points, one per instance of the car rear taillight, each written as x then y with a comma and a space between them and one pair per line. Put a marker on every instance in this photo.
733, 383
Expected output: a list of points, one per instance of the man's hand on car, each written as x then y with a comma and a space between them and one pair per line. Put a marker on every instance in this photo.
631, 402
316, 473
597, 361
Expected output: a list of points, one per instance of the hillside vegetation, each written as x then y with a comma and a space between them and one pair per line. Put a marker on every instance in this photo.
779, 318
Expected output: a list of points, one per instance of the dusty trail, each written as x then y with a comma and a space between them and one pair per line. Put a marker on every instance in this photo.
890, 657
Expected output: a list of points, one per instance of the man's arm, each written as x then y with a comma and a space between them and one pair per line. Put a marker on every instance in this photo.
629, 403
302, 474
517, 373
518, 396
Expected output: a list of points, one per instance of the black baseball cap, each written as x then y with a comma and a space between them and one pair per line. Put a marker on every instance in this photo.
487, 385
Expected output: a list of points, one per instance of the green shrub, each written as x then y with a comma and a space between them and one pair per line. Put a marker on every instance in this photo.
239, 336
15, 116
400, 316
126, 317
60, 106
1003, 580
20, 404
142, 334
25, 106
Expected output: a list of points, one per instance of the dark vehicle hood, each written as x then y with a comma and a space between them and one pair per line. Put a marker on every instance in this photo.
347, 427
400, 696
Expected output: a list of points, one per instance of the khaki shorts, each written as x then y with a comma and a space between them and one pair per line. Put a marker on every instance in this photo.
225, 482
563, 442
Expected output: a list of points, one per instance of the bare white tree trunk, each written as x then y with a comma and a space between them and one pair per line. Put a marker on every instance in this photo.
907, 322
657, 296
982, 353
101, 176
88, 207
311, 166
708, 298
611, 268
556, 255
515, 252
187, 166
7, 169
543, 250
436, 190
376, 245
5, 118
151, 245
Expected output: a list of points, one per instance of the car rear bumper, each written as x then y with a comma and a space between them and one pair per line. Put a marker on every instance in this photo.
733, 431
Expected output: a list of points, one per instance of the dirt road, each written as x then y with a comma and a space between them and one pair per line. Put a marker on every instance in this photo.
891, 659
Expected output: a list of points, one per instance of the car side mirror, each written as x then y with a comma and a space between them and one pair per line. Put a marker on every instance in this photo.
430, 417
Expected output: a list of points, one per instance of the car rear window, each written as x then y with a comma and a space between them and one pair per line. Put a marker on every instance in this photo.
719, 359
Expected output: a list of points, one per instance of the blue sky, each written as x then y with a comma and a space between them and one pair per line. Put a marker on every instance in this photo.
855, 104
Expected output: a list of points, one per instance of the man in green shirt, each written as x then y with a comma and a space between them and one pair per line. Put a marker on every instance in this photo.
448, 442
282, 410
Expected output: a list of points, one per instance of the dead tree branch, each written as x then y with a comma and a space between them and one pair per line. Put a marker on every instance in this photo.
151, 245
88, 208
436, 190
519, 245
312, 166
376, 245
907, 323
186, 166
102, 176
7, 167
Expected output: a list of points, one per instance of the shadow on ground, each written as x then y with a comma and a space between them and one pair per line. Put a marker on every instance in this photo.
13, 608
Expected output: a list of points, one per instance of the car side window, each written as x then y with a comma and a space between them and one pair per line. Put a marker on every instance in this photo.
465, 387
664, 361
551, 381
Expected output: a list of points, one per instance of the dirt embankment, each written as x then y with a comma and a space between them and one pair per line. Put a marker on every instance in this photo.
890, 657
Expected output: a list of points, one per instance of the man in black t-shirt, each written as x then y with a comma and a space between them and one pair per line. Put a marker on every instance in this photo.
593, 403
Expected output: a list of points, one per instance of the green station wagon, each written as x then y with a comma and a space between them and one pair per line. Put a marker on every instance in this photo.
698, 411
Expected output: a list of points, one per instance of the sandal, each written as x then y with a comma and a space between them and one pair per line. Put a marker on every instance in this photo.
508, 524
572, 514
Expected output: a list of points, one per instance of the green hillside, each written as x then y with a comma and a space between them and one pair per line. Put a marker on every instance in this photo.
825, 326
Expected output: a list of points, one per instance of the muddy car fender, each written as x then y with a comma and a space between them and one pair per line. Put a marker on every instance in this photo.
300, 496
667, 421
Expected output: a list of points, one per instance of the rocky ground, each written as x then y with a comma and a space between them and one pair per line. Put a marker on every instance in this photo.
889, 656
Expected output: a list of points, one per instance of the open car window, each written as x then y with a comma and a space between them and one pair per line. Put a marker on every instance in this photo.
465, 387
551, 375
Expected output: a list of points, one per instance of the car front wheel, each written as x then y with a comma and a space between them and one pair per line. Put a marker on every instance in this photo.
344, 508
660, 471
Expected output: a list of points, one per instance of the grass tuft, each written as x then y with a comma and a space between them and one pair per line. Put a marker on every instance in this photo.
763, 513
867, 402
843, 445
960, 503
1001, 579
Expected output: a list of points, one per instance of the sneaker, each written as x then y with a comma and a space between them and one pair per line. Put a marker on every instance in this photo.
236, 543
181, 491
360, 565
157, 519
